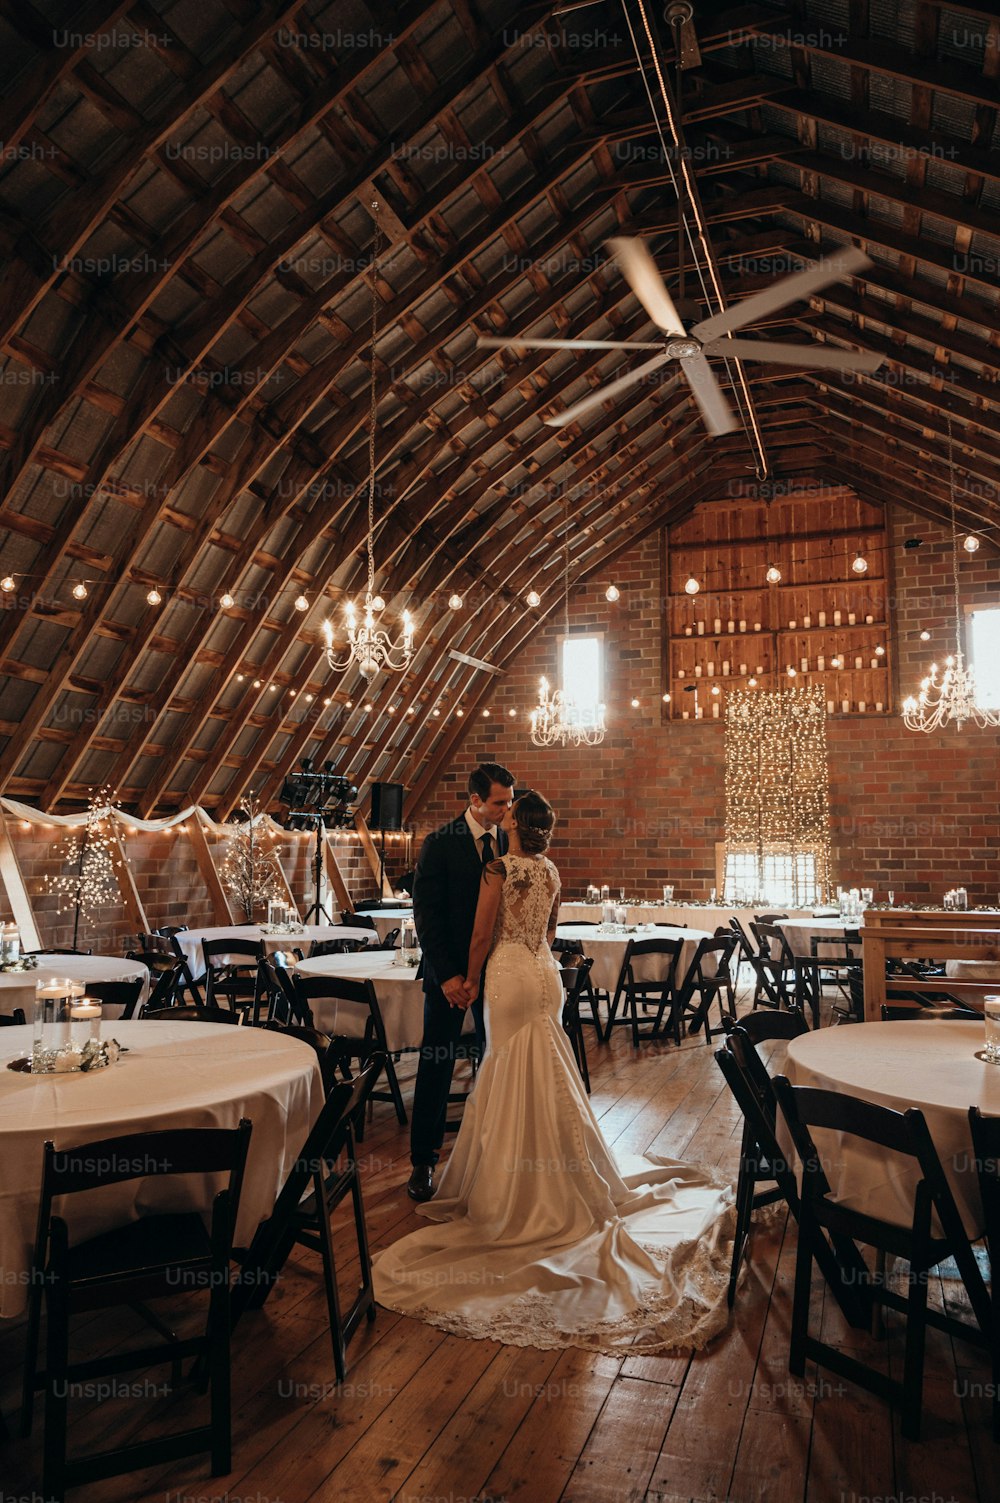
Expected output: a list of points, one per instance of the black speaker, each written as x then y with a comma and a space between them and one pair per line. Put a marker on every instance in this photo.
387, 806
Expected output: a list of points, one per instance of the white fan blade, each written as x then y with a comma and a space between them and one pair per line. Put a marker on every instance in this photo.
642, 275
801, 284
707, 393
817, 356
605, 393
489, 342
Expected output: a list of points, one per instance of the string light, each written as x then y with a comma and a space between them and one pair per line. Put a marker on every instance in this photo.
770, 810
612, 593
7, 584
80, 591
666, 699
226, 601
635, 704
773, 575
301, 603
455, 602
512, 713
691, 586
880, 652
533, 599
971, 544
860, 564
154, 597
486, 714
925, 636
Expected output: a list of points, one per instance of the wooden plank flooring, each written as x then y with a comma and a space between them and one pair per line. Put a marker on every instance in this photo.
429, 1416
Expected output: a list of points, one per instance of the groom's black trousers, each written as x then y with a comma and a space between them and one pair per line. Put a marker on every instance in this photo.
442, 1029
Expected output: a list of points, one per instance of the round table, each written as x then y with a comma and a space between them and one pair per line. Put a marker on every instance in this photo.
608, 951
386, 919
931, 1064
17, 988
400, 996
800, 933
175, 1074
190, 940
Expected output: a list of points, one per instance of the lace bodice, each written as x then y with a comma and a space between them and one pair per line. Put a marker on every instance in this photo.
530, 892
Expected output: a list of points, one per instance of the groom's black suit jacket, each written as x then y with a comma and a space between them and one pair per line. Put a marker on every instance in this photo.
445, 895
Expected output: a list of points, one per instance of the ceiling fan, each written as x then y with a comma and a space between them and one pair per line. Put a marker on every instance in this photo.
711, 337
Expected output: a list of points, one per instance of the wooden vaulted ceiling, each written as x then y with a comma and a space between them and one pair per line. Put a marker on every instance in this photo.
185, 194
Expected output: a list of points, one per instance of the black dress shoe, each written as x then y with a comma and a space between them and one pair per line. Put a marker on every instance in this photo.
420, 1185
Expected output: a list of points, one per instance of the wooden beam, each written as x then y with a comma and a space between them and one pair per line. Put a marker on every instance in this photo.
222, 912
126, 881
17, 893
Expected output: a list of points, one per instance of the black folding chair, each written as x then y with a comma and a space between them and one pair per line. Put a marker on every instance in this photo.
357, 999
150, 1257
358, 920
923, 1248
569, 952
574, 979
13, 1019
169, 934
774, 967
710, 980
284, 1003
659, 993
301, 1215
986, 1147
191, 1012
123, 994
232, 973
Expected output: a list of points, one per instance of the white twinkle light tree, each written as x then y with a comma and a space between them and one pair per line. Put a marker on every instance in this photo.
250, 869
90, 858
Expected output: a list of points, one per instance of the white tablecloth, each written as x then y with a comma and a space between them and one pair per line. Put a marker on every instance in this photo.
710, 917
931, 1064
400, 996
385, 919
174, 1075
608, 952
17, 988
190, 940
800, 933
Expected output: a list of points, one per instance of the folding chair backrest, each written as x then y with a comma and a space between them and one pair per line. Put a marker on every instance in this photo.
986, 1147
770, 936
236, 953
357, 920
123, 994
762, 1027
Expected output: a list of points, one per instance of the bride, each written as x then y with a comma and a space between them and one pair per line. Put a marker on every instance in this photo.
540, 1237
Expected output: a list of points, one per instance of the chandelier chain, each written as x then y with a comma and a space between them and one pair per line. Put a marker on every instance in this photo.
372, 404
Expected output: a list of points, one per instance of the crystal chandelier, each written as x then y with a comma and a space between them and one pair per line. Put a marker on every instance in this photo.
369, 646
557, 720
952, 698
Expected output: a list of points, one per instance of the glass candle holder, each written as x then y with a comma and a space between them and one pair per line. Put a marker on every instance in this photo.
85, 1023
52, 1039
991, 1019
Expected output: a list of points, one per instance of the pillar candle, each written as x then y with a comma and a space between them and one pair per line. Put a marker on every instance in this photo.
804, 665
718, 625
836, 618
858, 662
878, 705
715, 709
821, 663
829, 707
725, 665
807, 621
862, 705
822, 618
756, 626
851, 618
743, 668
701, 628
869, 620
687, 631
845, 705
730, 627
697, 670
874, 662
680, 673
743, 626
792, 625
711, 670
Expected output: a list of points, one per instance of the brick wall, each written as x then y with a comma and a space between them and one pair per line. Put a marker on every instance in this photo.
914, 812
168, 880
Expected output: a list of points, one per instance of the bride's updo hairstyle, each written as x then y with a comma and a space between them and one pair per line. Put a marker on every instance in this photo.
534, 817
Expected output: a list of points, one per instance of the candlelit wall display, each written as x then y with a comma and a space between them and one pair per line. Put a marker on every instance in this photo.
779, 591
777, 792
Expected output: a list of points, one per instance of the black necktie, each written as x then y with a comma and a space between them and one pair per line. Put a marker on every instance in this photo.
487, 848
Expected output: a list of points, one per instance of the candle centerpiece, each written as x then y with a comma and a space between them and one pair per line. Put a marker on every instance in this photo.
67, 1030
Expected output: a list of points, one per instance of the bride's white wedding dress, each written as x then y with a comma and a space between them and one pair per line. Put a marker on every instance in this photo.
541, 1238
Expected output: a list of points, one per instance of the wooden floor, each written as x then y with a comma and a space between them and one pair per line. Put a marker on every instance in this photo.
425, 1416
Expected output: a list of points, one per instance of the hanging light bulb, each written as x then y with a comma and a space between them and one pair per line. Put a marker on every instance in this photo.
154, 597
512, 713
666, 699
533, 599
971, 544
612, 593
860, 564
773, 575
369, 647
691, 586
925, 636
455, 602
7, 584
226, 601
79, 591
301, 603
752, 683
635, 704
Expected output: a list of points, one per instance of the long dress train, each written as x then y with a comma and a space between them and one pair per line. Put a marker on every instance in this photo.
540, 1238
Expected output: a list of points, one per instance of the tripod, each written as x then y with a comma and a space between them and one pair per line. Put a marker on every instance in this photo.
317, 911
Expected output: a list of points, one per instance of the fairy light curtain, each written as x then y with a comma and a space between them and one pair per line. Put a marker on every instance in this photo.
777, 847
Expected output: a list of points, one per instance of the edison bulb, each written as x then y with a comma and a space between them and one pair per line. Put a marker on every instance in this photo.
226, 601
533, 598
692, 586
154, 597
773, 575
860, 565
612, 593
971, 544
79, 592
301, 603
455, 602
7, 584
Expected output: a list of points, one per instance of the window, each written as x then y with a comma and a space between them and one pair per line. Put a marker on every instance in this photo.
583, 675
781, 879
984, 651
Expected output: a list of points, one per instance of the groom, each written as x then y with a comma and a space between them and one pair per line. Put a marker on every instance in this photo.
445, 895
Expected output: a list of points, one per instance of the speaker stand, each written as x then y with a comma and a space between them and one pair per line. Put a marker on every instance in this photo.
317, 911
381, 866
